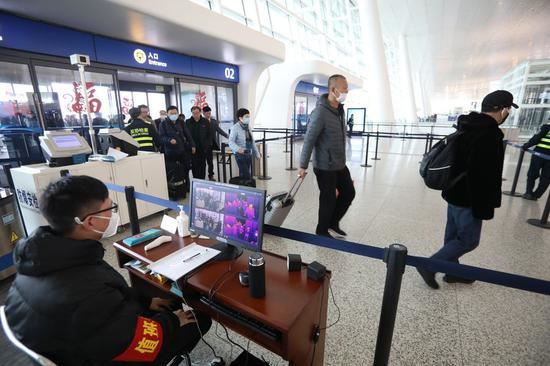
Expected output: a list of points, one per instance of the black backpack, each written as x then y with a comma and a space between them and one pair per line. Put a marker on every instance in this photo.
437, 166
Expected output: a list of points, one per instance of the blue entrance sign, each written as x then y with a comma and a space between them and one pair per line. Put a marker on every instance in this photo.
214, 70
117, 52
23, 34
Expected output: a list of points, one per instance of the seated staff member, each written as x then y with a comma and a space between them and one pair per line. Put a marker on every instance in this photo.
68, 304
143, 132
242, 143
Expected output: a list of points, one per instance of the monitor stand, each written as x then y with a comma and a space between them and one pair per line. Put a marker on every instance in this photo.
227, 251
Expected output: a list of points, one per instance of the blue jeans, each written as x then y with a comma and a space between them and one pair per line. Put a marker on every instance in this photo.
462, 234
244, 161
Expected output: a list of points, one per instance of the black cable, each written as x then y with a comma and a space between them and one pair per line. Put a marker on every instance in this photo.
199, 328
317, 330
229, 339
220, 278
337, 308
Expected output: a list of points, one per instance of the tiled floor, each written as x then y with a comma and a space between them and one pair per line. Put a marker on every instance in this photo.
478, 324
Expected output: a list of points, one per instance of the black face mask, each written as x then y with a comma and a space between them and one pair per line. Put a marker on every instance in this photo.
505, 118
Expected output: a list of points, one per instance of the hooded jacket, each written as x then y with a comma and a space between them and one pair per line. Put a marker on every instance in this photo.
325, 137
481, 156
68, 304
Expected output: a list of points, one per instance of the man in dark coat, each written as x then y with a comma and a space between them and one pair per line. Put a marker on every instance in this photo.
326, 139
68, 304
178, 148
202, 136
216, 131
476, 195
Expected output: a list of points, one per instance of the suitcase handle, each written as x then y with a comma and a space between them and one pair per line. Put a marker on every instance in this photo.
292, 192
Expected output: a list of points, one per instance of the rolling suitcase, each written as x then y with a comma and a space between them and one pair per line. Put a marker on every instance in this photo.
278, 205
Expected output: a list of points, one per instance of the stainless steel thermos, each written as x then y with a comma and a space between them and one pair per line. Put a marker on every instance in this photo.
256, 275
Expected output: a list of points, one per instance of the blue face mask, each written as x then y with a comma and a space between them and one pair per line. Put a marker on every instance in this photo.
173, 117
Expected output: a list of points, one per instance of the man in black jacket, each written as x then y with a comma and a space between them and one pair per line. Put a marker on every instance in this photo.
474, 197
202, 136
539, 167
68, 304
178, 148
216, 131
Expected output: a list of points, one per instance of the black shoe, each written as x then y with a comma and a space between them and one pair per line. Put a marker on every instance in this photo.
429, 278
453, 279
336, 231
324, 233
211, 177
529, 196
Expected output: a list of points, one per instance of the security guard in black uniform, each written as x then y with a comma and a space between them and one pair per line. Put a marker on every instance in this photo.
539, 167
143, 132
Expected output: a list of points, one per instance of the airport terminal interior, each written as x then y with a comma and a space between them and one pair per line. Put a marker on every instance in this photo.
412, 68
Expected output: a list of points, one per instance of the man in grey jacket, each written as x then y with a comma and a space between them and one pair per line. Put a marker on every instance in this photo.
326, 138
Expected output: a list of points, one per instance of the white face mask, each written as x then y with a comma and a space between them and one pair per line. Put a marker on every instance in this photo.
111, 229
342, 97
246, 120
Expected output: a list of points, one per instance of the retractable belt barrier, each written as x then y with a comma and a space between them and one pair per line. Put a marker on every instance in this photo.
432, 265
536, 153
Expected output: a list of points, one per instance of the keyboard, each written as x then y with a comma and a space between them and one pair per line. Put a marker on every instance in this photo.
242, 319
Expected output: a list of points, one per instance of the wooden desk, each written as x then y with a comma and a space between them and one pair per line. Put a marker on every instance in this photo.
293, 304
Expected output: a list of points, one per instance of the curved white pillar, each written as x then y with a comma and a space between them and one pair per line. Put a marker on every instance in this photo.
378, 82
406, 77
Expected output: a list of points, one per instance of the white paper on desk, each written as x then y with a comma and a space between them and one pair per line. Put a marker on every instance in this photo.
174, 267
117, 154
169, 224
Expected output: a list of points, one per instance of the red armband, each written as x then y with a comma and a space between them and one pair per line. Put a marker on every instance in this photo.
146, 343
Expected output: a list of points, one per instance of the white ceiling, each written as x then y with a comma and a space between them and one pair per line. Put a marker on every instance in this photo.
460, 46
176, 25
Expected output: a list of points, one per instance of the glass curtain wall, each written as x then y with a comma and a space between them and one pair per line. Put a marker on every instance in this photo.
312, 29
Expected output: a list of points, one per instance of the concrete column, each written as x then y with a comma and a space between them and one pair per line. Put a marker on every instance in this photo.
248, 83
407, 83
378, 82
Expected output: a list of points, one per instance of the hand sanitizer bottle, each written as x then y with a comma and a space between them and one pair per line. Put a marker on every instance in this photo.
183, 223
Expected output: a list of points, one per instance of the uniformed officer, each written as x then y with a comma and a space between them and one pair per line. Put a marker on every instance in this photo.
539, 167
144, 133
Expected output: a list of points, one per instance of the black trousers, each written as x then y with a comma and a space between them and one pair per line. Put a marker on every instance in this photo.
332, 208
198, 164
210, 162
177, 168
539, 168
184, 340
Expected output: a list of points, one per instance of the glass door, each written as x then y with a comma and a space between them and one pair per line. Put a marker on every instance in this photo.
300, 113
62, 98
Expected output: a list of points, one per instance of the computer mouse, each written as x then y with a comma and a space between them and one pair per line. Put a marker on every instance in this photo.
243, 278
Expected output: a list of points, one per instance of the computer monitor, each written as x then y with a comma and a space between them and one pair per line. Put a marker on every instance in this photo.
233, 215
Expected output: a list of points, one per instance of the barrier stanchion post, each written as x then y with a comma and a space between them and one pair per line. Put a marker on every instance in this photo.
395, 258
264, 175
224, 173
426, 146
543, 222
404, 132
286, 140
367, 165
291, 153
376, 148
132, 209
516, 177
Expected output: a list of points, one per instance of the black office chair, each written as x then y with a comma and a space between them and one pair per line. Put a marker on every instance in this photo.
35, 357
